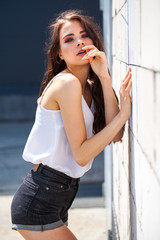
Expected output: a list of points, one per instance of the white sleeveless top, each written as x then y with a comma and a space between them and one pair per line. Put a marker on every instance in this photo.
48, 144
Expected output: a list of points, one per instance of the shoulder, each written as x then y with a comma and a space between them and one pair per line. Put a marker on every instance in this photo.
67, 80
67, 85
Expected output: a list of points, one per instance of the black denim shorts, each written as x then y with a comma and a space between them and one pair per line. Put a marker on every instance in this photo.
42, 201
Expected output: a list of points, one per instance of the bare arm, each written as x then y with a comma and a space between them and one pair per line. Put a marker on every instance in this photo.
69, 98
98, 63
111, 105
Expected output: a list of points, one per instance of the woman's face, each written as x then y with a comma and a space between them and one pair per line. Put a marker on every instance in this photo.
72, 38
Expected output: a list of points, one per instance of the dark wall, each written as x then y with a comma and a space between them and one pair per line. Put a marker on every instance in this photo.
22, 39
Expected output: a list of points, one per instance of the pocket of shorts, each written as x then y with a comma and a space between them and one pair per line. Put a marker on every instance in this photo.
23, 198
58, 186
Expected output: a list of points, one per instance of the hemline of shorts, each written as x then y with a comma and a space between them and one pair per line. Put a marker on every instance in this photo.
41, 228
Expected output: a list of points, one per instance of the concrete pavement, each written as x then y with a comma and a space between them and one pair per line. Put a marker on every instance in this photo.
87, 215
85, 223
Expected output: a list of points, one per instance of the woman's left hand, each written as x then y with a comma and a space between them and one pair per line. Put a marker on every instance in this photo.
97, 60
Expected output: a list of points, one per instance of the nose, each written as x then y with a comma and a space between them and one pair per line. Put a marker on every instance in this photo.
80, 43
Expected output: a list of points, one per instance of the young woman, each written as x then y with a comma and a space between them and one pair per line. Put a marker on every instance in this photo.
77, 117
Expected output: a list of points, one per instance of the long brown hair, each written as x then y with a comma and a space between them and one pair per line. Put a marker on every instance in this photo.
55, 65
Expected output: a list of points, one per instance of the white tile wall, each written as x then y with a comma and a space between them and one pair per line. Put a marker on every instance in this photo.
134, 117
134, 30
136, 161
145, 111
157, 124
117, 5
121, 187
120, 34
145, 197
121, 164
150, 34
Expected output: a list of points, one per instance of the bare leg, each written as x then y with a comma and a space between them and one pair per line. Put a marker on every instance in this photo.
56, 234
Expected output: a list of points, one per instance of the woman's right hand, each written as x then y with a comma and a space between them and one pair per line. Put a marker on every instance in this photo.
125, 98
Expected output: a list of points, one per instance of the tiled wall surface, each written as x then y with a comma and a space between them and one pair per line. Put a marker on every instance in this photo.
136, 161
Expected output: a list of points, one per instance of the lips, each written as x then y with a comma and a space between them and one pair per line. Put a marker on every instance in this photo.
81, 52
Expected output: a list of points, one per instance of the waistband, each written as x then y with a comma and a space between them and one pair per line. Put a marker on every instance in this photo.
50, 171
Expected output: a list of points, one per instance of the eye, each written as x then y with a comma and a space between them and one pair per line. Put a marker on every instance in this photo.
69, 39
84, 35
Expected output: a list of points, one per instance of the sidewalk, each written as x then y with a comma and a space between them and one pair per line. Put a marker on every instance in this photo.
87, 217
85, 223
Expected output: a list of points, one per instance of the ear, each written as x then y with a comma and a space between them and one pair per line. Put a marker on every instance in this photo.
60, 55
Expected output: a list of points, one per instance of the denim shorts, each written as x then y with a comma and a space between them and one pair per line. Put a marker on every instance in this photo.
42, 201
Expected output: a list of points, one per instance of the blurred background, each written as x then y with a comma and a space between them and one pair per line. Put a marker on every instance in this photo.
120, 195
23, 35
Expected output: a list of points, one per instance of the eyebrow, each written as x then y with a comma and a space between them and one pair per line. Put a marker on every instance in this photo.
71, 34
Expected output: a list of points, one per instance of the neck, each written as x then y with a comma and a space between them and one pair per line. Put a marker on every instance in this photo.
82, 73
